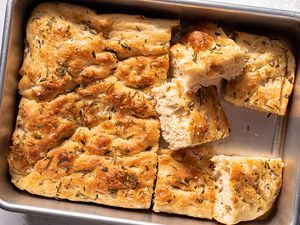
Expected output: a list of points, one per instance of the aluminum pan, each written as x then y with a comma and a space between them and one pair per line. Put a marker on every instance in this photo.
280, 135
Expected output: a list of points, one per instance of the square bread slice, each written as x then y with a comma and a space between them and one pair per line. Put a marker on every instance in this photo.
246, 187
267, 80
189, 119
185, 182
205, 56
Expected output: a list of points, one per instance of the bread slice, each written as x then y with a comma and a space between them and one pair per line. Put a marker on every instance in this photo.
205, 56
189, 119
246, 187
185, 182
268, 78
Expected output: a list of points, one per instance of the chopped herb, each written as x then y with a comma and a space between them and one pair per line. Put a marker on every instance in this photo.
228, 208
267, 166
270, 107
83, 171
148, 148
110, 87
94, 54
41, 110
185, 182
272, 64
49, 158
130, 136
112, 190
139, 29
61, 71
195, 57
199, 200
130, 180
248, 43
58, 188
125, 46
106, 151
104, 169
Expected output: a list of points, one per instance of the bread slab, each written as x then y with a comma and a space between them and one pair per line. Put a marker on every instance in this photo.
68, 45
87, 129
268, 78
229, 189
79, 172
246, 187
205, 56
185, 182
189, 119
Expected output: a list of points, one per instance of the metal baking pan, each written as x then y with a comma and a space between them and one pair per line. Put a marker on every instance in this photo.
253, 133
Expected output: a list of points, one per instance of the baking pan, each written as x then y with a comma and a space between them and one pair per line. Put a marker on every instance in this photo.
253, 133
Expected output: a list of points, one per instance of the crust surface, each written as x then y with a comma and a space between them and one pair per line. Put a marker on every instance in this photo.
205, 56
268, 78
185, 182
87, 129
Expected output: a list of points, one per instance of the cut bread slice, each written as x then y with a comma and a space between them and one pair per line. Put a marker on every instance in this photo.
205, 56
189, 119
185, 182
268, 78
246, 187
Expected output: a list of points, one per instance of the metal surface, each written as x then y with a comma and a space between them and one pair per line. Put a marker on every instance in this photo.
253, 133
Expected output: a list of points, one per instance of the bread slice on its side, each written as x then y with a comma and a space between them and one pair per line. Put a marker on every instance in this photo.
246, 187
268, 78
185, 182
189, 119
205, 56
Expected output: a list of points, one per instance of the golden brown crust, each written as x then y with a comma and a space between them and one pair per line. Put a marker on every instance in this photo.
143, 72
69, 45
70, 172
185, 182
204, 57
268, 78
40, 127
87, 129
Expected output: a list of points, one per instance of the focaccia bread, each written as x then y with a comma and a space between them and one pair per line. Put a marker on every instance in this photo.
246, 187
87, 129
267, 80
185, 182
189, 119
205, 56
